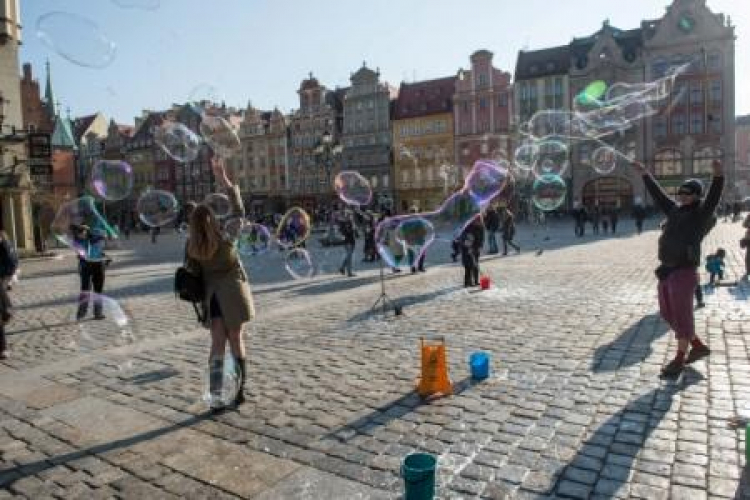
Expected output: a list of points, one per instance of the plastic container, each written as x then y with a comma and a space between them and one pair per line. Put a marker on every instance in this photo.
479, 365
485, 282
418, 471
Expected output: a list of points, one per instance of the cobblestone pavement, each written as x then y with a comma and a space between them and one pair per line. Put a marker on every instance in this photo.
574, 407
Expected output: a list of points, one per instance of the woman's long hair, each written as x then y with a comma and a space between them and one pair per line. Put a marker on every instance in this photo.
205, 234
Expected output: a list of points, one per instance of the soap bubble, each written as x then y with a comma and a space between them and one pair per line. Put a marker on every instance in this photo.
75, 38
178, 141
526, 156
548, 192
604, 160
352, 188
203, 96
294, 228
157, 208
219, 204
452, 217
298, 263
78, 214
254, 239
220, 135
233, 227
553, 158
112, 179
222, 382
390, 248
487, 179
415, 232
91, 303
138, 4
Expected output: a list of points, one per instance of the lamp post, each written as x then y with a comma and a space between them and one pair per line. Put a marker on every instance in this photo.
326, 152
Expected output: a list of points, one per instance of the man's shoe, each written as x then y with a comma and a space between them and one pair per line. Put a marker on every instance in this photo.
422, 270
100, 316
700, 305
341, 270
697, 353
352, 275
673, 369
414, 270
3, 355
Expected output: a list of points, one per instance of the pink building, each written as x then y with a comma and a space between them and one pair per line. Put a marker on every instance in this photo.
482, 107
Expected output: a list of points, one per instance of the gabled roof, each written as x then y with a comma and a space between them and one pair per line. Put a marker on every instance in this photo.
81, 125
544, 62
629, 41
62, 137
425, 98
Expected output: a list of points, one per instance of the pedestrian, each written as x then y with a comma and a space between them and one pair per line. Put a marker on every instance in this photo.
154, 234
388, 240
92, 262
639, 214
472, 241
227, 301
8, 268
745, 244
605, 221
715, 266
595, 219
614, 216
509, 232
492, 225
347, 231
687, 221
370, 250
580, 215
416, 253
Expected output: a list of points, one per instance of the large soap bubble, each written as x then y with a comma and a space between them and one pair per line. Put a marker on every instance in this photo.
178, 141
219, 204
253, 239
352, 188
415, 232
487, 179
75, 38
548, 192
220, 135
112, 179
604, 160
75, 215
298, 263
553, 158
157, 208
294, 228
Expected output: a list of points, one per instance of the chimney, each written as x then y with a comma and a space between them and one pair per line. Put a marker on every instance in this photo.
27, 71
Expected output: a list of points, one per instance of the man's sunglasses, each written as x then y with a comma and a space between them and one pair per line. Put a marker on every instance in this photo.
685, 193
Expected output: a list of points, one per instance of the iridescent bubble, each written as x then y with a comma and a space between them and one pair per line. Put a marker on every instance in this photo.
157, 208
604, 160
553, 158
203, 96
77, 216
548, 192
390, 248
298, 263
352, 188
220, 135
75, 38
178, 141
486, 180
220, 204
415, 232
254, 239
138, 4
233, 227
454, 215
94, 303
294, 228
222, 382
526, 156
112, 179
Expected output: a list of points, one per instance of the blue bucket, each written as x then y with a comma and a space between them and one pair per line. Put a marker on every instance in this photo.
479, 363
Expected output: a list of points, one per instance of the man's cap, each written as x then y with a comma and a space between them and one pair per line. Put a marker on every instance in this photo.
692, 186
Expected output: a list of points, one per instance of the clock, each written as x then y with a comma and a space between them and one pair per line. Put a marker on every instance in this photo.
686, 23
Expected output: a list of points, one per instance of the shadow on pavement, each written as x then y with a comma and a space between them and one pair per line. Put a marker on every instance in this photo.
32, 468
623, 435
631, 347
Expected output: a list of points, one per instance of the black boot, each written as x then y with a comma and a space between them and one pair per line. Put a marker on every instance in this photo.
215, 380
242, 371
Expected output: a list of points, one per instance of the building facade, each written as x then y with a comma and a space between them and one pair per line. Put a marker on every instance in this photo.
90, 134
482, 108
193, 180
367, 134
742, 155
311, 173
423, 144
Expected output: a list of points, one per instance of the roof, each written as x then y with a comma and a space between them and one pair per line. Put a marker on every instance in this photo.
126, 130
425, 98
544, 62
309, 83
81, 125
62, 137
629, 41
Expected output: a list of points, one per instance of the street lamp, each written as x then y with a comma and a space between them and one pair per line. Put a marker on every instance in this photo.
326, 152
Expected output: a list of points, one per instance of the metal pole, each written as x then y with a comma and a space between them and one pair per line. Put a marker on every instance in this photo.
13, 222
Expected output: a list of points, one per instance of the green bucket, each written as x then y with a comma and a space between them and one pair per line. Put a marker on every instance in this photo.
418, 471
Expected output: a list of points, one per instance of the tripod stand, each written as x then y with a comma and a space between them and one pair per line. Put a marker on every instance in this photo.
384, 300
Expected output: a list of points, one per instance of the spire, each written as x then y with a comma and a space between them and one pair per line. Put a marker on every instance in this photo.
62, 137
49, 95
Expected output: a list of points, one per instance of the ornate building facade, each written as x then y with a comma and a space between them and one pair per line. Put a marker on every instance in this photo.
367, 132
423, 144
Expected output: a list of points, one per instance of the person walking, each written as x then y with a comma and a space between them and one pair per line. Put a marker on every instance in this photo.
472, 241
580, 218
595, 219
347, 231
639, 214
492, 225
688, 220
509, 232
614, 217
745, 244
8, 267
228, 301
92, 263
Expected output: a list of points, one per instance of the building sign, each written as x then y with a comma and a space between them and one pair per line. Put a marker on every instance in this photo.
40, 154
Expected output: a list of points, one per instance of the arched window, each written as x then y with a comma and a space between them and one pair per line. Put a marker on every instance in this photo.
668, 162
703, 158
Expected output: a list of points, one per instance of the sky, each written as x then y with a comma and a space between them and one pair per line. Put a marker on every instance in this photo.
260, 50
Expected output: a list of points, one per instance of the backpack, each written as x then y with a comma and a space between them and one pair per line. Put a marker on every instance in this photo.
188, 286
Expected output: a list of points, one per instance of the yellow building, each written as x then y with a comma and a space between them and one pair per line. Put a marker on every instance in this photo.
423, 144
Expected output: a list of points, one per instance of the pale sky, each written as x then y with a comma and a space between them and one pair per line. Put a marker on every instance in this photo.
259, 50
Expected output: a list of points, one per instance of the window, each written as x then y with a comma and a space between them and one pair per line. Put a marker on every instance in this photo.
696, 124
678, 124
386, 178
482, 80
714, 62
502, 100
696, 94
668, 162
714, 121
660, 126
374, 181
483, 103
703, 158
715, 92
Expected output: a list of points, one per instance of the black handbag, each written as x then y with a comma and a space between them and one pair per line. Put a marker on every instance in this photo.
188, 286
